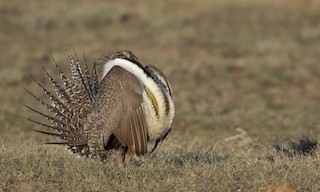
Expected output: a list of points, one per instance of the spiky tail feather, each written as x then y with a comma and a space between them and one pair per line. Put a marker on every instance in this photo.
70, 104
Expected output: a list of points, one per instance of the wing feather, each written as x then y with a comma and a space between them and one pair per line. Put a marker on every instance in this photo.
132, 129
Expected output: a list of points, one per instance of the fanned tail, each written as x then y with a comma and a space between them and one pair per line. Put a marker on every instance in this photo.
71, 102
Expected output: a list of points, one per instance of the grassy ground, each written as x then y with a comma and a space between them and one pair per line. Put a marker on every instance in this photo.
245, 75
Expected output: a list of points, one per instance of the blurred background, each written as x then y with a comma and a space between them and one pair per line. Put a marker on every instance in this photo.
249, 65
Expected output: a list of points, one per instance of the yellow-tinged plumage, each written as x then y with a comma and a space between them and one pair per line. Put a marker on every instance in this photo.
119, 108
153, 100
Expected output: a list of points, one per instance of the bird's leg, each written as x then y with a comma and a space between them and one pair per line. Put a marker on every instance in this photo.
126, 159
123, 159
121, 156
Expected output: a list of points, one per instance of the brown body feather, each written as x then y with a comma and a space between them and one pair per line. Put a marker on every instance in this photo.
95, 117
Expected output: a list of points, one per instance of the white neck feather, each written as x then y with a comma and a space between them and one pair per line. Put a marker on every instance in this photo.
128, 66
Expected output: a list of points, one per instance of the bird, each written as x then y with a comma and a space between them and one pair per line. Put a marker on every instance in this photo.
117, 108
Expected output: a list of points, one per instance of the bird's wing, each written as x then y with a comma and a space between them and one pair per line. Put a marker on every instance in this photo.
132, 128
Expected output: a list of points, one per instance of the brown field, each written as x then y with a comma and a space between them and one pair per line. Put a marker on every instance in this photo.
245, 75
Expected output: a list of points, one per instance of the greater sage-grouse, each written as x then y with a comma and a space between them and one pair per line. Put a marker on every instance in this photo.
120, 106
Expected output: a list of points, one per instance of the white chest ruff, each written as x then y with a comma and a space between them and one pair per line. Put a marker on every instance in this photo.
157, 123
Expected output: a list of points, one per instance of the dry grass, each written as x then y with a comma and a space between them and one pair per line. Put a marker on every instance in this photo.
248, 66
